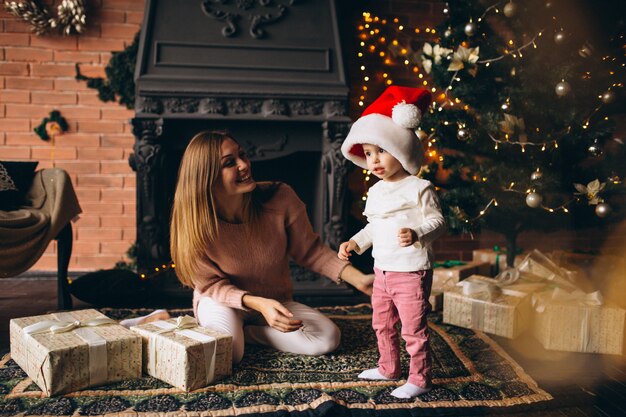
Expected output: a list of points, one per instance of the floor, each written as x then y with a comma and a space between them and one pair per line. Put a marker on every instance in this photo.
582, 384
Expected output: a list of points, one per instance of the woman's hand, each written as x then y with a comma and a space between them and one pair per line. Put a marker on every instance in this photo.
345, 248
358, 279
275, 314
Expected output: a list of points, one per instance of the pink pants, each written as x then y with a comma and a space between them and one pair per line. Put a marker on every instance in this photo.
403, 296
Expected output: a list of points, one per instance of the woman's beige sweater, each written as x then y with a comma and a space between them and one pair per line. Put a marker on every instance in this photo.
239, 264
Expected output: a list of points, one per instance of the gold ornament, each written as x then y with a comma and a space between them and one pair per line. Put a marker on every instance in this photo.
536, 175
462, 134
586, 50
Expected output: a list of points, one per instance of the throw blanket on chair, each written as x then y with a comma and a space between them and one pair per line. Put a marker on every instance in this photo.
25, 233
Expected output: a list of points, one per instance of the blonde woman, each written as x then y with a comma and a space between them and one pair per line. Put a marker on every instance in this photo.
231, 239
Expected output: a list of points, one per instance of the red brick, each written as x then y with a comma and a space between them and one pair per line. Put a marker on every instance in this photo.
54, 99
99, 44
89, 98
129, 234
115, 167
65, 85
80, 112
123, 5
86, 220
88, 195
23, 139
99, 154
119, 113
53, 153
81, 140
118, 221
97, 261
15, 152
130, 207
101, 127
77, 57
13, 68
92, 71
107, 16
25, 83
16, 25
79, 167
14, 96
118, 195
27, 54
92, 233
47, 262
95, 180
117, 141
55, 42
130, 182
53, 70
134, 17
45, 164
14, 125
23, 111
82, 247
15, 39
114, 248
93, 30
119, 30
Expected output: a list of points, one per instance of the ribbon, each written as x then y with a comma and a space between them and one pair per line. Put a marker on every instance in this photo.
448, 264
98, 359
499, 252
181, 327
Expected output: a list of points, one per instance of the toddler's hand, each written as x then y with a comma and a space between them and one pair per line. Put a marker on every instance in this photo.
345, 248
406, 236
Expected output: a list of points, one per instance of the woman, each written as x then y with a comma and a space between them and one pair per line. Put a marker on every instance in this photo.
231, 240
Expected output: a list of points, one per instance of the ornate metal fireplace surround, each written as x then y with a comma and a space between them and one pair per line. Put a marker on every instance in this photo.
270, 72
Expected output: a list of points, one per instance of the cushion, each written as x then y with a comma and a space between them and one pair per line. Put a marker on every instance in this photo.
15, 180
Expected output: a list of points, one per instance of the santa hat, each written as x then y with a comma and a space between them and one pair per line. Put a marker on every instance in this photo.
390, 122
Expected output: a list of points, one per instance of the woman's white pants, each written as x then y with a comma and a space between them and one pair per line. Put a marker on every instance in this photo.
318, 334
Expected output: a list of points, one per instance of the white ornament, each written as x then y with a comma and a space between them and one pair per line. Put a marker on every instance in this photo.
562, 89
510, 9
533, 200
406, 115
603, 210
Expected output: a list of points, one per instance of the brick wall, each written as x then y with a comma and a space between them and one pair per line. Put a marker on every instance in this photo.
37, 75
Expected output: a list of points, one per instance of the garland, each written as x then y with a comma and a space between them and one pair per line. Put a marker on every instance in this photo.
70, 15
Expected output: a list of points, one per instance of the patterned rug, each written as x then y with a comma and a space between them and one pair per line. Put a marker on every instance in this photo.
470, 370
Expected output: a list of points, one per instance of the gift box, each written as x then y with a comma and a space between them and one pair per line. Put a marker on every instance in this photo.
449, 273
69, 351
184, 354
480, 303
436, 300
578, 322
496, 257
537, 267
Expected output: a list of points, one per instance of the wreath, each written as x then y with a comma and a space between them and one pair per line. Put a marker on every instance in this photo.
70, 15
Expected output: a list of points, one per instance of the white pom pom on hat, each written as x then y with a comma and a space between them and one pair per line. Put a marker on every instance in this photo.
390, 122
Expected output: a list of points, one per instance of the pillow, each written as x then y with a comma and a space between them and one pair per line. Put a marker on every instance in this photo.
15, 180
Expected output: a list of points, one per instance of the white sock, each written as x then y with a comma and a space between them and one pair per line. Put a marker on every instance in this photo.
154, 316
409, 390
372, 374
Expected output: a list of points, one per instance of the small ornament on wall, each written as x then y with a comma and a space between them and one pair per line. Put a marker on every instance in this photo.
71, 16
51, 126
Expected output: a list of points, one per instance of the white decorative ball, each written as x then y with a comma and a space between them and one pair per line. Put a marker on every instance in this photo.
510, 9
470, 29
608, 97
562, 89
533, 200
559, 37
406, 115
603, 210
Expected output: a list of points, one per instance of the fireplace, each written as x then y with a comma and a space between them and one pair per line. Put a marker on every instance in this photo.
268, 71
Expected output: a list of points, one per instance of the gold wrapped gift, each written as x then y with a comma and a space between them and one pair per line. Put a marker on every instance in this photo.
69, 351
183, 354
449, 273
578, 322
480, 303
493, 256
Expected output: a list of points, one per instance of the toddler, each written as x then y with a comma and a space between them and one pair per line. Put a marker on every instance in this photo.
404, 218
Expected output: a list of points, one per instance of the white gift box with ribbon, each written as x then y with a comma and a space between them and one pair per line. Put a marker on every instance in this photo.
183, 354
481, 303
68, 351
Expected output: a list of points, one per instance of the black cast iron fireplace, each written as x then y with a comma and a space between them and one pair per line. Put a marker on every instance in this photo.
270, 72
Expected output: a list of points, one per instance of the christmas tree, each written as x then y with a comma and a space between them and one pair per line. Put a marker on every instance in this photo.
521, 133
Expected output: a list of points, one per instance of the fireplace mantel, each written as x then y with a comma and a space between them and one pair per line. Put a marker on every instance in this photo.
270, 72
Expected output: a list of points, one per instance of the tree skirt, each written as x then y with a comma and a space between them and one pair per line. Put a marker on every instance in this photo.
469, 370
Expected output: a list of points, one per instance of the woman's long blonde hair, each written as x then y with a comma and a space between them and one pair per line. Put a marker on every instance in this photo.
195, 224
